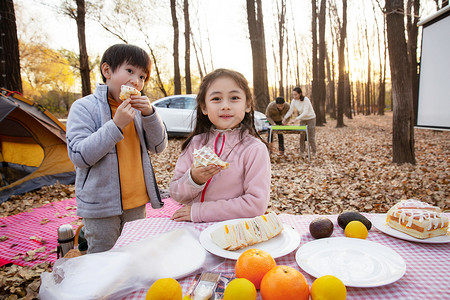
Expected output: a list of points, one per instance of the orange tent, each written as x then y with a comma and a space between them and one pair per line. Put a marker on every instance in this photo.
33, 150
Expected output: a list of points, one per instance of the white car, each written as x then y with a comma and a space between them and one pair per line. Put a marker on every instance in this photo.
178, 114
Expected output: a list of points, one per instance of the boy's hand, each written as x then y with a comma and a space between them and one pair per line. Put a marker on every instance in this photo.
124, 114
182, 214
143, 104
200, 175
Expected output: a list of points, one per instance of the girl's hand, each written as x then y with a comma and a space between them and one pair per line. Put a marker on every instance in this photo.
182, 214
284, 122
142, 103
124, 114
200, 175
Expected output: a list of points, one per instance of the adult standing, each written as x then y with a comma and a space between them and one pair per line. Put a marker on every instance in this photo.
307, 116
275, 112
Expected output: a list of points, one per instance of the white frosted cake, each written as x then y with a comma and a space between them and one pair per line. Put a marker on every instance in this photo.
418, 219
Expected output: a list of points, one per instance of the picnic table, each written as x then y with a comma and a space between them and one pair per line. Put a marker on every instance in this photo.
289, 129
427, 265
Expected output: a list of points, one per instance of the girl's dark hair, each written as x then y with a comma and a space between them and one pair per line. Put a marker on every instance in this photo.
119, 54
203, 124
299, 90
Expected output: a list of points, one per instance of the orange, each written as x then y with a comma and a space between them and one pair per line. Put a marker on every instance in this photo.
165, 289
328, 287
240, 289
253, 264
284, 282
356, 229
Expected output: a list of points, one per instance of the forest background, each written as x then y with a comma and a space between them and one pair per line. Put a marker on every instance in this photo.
338, 52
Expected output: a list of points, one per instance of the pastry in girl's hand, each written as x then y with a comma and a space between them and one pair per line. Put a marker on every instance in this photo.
205, 156
127, 91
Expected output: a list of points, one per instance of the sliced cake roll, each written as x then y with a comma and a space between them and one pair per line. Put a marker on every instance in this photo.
247, 232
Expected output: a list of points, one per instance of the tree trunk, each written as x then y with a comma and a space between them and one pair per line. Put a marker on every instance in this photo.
258, 44
403, 120
412, 28
315, 93
176, 58
84, 59
9, 53
382, 66
331, 106
187, 55
199, 66
321, 87
281, 33
341, 80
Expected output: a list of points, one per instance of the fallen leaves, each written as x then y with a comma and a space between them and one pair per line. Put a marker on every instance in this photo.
21, 282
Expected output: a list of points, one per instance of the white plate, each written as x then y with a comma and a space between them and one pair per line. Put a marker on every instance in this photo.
284, 243
356, 262
379, 221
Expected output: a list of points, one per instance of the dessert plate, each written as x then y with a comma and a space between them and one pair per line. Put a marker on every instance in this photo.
379, 221
284, 243
356, 262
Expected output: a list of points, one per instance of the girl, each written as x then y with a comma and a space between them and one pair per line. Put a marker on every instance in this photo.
225, 123
306, 115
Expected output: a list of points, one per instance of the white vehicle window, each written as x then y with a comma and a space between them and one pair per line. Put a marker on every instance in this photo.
164, 103
191, 103
177, 103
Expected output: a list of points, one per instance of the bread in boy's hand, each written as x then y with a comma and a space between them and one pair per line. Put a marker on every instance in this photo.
127, 91
205, 156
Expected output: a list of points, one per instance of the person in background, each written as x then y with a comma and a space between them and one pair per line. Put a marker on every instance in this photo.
275, 112
306, 115
225, 114
108, 141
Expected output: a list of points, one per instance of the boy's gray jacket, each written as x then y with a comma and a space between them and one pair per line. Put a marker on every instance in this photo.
92, 136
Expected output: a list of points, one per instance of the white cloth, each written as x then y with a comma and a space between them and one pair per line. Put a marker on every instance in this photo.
116, 273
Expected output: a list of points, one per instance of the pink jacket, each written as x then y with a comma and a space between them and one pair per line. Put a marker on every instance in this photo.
241, 191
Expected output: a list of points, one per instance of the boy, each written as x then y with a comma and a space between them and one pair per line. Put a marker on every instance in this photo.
108, 141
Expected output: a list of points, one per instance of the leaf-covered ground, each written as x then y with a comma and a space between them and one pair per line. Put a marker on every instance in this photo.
352, 170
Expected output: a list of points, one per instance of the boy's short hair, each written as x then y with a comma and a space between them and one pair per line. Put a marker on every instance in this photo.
119, 54
279, 100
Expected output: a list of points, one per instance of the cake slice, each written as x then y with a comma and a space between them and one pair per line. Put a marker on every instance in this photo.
418, 219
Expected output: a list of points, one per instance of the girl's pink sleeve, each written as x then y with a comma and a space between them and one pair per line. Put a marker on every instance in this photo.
256, 191
181, 188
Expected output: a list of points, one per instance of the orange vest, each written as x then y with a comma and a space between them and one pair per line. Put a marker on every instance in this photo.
132, 184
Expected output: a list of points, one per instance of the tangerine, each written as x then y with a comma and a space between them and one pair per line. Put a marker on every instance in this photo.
356, 229
253, 264
165, 289
240, 289
284, 282
328, 287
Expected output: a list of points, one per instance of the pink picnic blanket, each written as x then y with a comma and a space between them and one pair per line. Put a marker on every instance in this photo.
30, 238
